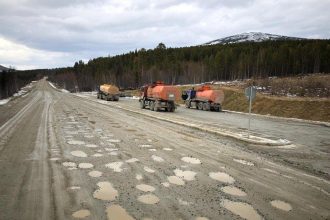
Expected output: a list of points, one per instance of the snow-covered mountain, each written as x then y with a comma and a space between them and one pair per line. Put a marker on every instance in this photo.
250, 37
2, 68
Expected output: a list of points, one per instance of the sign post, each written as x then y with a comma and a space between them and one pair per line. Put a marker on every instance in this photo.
250, 94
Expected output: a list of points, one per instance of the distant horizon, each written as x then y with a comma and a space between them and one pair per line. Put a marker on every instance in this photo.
50, 34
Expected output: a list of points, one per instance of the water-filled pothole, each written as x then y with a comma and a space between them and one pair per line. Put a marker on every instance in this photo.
105, 192
232, 190
148, 199
115, 166
222, 177
83, 213
145, 188
244, 210
281, 205
175, 180
117, 212
191, 160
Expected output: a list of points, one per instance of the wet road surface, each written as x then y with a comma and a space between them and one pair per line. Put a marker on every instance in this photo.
67, 157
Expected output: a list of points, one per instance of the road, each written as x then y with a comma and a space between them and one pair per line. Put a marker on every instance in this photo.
68, 157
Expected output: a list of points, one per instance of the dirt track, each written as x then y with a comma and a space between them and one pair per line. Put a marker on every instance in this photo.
52, 145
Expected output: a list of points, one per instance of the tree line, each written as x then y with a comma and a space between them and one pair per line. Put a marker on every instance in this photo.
198, 64
186, 65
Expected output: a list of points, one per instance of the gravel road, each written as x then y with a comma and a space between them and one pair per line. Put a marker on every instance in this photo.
69, 157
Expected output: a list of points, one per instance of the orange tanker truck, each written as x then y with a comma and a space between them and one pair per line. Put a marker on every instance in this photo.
159, 96
204, 98
108, 92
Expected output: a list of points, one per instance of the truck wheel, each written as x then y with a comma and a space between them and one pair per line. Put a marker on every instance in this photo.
206, 106
171, 107
152, 105
199, 105
142, 106
188, 104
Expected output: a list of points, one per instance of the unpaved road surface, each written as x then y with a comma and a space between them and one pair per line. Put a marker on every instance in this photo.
69, 157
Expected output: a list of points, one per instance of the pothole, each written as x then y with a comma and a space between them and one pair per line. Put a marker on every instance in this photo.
167, 149
145, 188
95, 173
232, 190
191, 160
85, 165
145, 145
91, 145
74, 142
281, 205
54, 158
149, 199
74, 187
243, 162
166, 184
113, 153
270, 170
222, 177
69, 164
175, 180
116, 166
157, 158
97, 155
152, 150
244, 210
117, 212
113, 140
139, 177
149, 170
78, 153
186, 175
83, 213
132, 160
105, 192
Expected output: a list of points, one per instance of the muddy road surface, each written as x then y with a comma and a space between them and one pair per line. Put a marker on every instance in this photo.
68, 157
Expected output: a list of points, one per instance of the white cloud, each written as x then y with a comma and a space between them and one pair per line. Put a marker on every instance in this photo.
69, 31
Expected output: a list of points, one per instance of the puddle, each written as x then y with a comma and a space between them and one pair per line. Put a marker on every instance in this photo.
149, 199
115, 212
175, 180
156, 158
149, 170
139, 177
116, 166
98, 130
167, 149
99, 151
113, 153
186, 175
166, 184
222, 177
71, 132
110, 149
74, 142
232, 190
149, 140
83, 213
54, 158
244, 210
152, 149
91, 145
105, 192
69, 164
72, 168
88, 136
97, 155
281, 205
145, 145
78, 153
243, 162
270, 170
74, 187
145, 188
182, 202
191, 160
131, 130
85, 165
95, 173
113, 140
132, 160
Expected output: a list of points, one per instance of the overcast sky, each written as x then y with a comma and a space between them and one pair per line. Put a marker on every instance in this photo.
56, 33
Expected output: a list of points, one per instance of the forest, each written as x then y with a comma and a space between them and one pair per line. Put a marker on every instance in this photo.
195, 64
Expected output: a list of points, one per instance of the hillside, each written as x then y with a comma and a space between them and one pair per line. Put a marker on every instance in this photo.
2, 68
251, 37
